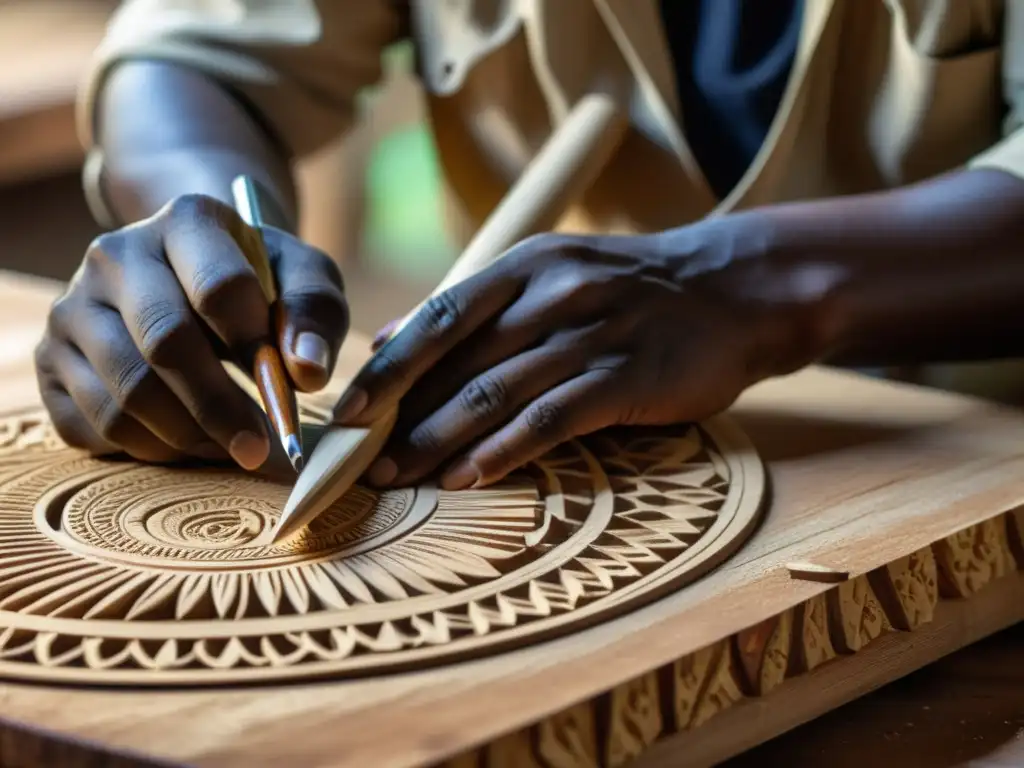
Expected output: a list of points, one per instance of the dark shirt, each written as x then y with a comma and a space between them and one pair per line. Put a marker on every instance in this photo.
732, 61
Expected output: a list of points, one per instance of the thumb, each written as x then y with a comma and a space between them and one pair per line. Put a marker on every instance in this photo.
311, 314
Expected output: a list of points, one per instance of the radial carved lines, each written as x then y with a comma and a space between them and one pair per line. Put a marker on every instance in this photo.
175, 567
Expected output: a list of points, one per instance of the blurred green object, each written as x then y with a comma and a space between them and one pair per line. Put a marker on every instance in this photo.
404, 214
404, 228
398, 57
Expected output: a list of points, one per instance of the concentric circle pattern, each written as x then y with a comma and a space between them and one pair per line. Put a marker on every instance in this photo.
118, 573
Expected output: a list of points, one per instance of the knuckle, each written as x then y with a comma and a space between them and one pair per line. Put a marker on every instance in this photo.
44, 359
383, 366
105, 252
66, 430
323, 266
425, 439
324, 302
573, 290
540, 245
68, 435
537, 243
439, 313
214, 285
547, 420
212, 408
162, 327
130, 380
109, 419
190, 208
332, 271
499, 458
60, 320
484, 396
41, 356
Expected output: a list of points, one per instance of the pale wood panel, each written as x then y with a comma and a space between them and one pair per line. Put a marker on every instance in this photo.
863, 472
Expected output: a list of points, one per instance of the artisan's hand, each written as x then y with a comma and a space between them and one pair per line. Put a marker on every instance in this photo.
565, 336
131, 359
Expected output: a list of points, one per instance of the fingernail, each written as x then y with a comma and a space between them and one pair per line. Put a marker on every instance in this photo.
350, 405
382, 472
461, 476
249, 449
312, 348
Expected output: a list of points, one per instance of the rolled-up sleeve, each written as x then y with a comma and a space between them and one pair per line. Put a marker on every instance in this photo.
1008, 154
300, 64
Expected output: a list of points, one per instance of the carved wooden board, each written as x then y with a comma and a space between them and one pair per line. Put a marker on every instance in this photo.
878, 482
114, 572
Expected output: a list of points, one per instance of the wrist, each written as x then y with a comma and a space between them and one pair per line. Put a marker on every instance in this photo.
138, 187
190, 136
801, 286
786, 299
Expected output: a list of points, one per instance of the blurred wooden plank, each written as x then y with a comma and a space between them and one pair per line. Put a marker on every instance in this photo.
45, 46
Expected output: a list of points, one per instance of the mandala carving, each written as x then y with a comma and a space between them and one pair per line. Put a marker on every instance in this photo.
115, 572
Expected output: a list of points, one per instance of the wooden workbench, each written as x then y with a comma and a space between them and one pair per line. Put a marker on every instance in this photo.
862, 473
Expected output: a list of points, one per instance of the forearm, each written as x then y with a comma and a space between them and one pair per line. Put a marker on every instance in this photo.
929, 273
166, 131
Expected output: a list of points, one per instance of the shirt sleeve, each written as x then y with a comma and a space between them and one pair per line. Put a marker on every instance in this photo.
299, 64
1008, 154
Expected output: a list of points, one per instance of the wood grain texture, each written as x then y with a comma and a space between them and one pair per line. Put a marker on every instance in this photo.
739, 692
962, 711
119, 573
276, 392
752, 721
864, 474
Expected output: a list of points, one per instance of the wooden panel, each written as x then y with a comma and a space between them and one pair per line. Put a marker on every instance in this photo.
964, 710
953, 624
865, 475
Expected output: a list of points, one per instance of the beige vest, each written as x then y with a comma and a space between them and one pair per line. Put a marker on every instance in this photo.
882, 93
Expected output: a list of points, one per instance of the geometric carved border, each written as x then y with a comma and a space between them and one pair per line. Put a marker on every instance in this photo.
621, 725
120, 573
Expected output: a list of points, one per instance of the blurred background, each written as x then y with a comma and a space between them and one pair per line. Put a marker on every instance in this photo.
374, 201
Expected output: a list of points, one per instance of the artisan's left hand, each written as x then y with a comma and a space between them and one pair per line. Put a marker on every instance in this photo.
565, 336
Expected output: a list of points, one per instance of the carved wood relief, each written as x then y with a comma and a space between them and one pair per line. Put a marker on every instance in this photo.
908, 589
635, 719
120, 573
813, 643
900, 596
970, 559
568, 740
855, 615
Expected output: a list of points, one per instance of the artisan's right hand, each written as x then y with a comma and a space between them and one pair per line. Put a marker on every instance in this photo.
130, 361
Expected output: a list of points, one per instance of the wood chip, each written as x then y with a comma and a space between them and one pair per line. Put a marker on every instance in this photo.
817, 572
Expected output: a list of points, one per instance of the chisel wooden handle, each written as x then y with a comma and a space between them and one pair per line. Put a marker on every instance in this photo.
565, 167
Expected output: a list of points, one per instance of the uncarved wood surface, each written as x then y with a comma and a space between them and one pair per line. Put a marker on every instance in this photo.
863, 473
